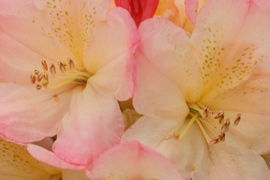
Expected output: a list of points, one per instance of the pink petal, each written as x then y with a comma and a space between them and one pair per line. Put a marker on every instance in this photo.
50, 158
93, 124
113, 46
191, 10
131, 160
28, 114
139, 9
168, 49
155, 94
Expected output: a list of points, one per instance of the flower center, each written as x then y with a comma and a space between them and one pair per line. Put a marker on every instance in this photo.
56, 76
214, 125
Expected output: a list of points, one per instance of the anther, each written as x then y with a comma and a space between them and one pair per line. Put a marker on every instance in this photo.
214, 141
223, 128
71, 63
205, 112
62, 67
228, 125
237, 120
38, 87
45, 76
222, 137
33, 79
52, 69
44, 65
36, 72
39, 77
221, 118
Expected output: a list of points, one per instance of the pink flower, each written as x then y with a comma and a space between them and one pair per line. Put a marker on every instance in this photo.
131, 160
206, 98
65, 64
139, 9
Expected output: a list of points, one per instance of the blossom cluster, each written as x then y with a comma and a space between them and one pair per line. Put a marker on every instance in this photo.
134, 89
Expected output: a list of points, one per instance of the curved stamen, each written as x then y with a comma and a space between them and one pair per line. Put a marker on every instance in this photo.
208, 121
64, 75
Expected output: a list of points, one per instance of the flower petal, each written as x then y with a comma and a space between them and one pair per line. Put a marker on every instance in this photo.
231, 41
192, 7
155, 93
109, 55
17, 164
139, 9
249, 97
74, 175
131, 160
115, 79
233, 161
252, 130
168, 48
29, 115
50, 158
93, 124
187, 154
117, 36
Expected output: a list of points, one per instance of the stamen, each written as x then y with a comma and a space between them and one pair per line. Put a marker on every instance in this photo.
228, 124
44, 65
220, 116
71, 64
203, 131
237, 120
214, 141
39, 77
205, 112
62, 67
78, 76
38, 86
45, 76
222, 137
33, 79
52, 69
213, 124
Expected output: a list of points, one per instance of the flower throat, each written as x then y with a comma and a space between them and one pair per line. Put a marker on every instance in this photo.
53, 77
214, 125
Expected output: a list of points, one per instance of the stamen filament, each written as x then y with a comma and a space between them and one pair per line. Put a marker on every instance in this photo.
193, 119
203, 131
61, 84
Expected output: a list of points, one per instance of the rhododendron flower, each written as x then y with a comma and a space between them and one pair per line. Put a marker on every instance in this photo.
206, 99
131, 160
139, 9
17, 164
65, 64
